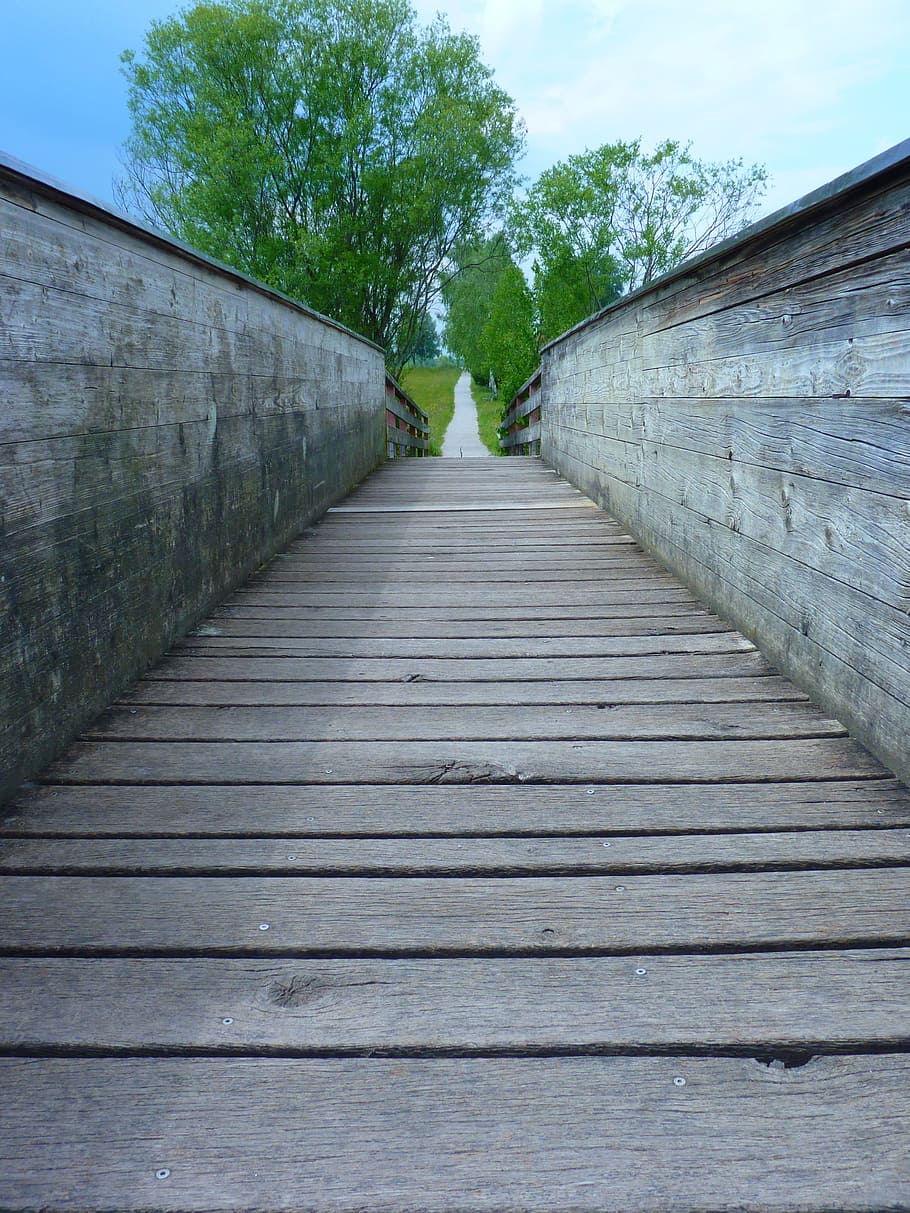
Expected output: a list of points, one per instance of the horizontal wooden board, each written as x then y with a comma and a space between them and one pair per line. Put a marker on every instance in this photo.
477, 648
446, 761
243, 915
810, 1001
589, 855
510, 1134
612, 721
211, 692
260, 622
452, 810
628, 593
256, 668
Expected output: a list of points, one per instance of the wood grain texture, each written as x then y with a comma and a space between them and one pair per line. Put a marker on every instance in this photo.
254, 666
747, 422
468, 762
807, 1001
353, 724
510, 1134
453, 810
161, 436
603, 854
435, 915
609, 692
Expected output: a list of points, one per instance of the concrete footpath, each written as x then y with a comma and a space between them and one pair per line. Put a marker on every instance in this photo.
461, 439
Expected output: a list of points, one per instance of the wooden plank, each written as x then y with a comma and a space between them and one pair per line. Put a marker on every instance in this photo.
105, 915
448, 761
426, 618
606, 692
256, 668
522, 722
326, 570
599, 854
539, 648
483, 810
547, 1134
258, 621
477, 599
807, 1001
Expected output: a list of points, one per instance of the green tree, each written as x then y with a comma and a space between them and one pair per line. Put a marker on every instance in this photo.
335, 149
508, 338
479, 265
426, 345
620, 216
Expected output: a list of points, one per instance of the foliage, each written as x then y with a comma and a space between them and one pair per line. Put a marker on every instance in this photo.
335, 149
426, 345
618, 217
508, 337
467, 295
433, 388
489, 417
567, 289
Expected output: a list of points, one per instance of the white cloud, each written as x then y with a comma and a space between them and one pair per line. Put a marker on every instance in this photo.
792, 83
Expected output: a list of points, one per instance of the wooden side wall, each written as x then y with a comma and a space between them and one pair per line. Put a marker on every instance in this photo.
748, 417
165, 427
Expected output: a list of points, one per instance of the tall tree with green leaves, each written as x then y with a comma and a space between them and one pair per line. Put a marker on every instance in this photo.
335, 149
617, 217
468, 295
508, 338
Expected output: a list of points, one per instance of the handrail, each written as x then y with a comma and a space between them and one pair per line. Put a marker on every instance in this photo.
407, 425
520, 427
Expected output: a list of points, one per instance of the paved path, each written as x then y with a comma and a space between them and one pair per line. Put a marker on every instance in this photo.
461, 439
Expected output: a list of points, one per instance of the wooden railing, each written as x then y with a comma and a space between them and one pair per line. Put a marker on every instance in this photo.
520, 429
407, 425
746, 417
167, 425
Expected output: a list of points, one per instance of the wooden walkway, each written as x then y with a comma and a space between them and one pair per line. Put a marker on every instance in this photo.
462, 861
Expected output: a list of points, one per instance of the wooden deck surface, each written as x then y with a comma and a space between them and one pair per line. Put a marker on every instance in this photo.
461, 861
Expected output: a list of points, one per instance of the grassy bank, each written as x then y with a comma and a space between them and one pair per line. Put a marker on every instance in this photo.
489, 413
433, 388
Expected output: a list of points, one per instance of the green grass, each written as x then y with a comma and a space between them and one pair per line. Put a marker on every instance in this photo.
489, 414
433, 388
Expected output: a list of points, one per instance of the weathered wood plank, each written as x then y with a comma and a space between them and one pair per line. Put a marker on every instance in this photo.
608, 692
810, 1001
291, 621
105, 915
746, 420
540, 648
270, 724
590, 855
546, 1134
448, 761
478, 599
453, 810
258, 668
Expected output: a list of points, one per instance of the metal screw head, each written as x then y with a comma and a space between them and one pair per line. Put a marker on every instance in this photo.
227, 1021
264, 926
679, 1082
292, 858
329, 770
311, 819
162, 1173
620, 888
640, 972
590, 791
606, 844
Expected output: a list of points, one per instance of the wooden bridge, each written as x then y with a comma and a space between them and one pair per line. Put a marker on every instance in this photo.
457, 857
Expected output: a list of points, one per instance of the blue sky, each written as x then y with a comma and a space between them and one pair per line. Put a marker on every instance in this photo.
810, 88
